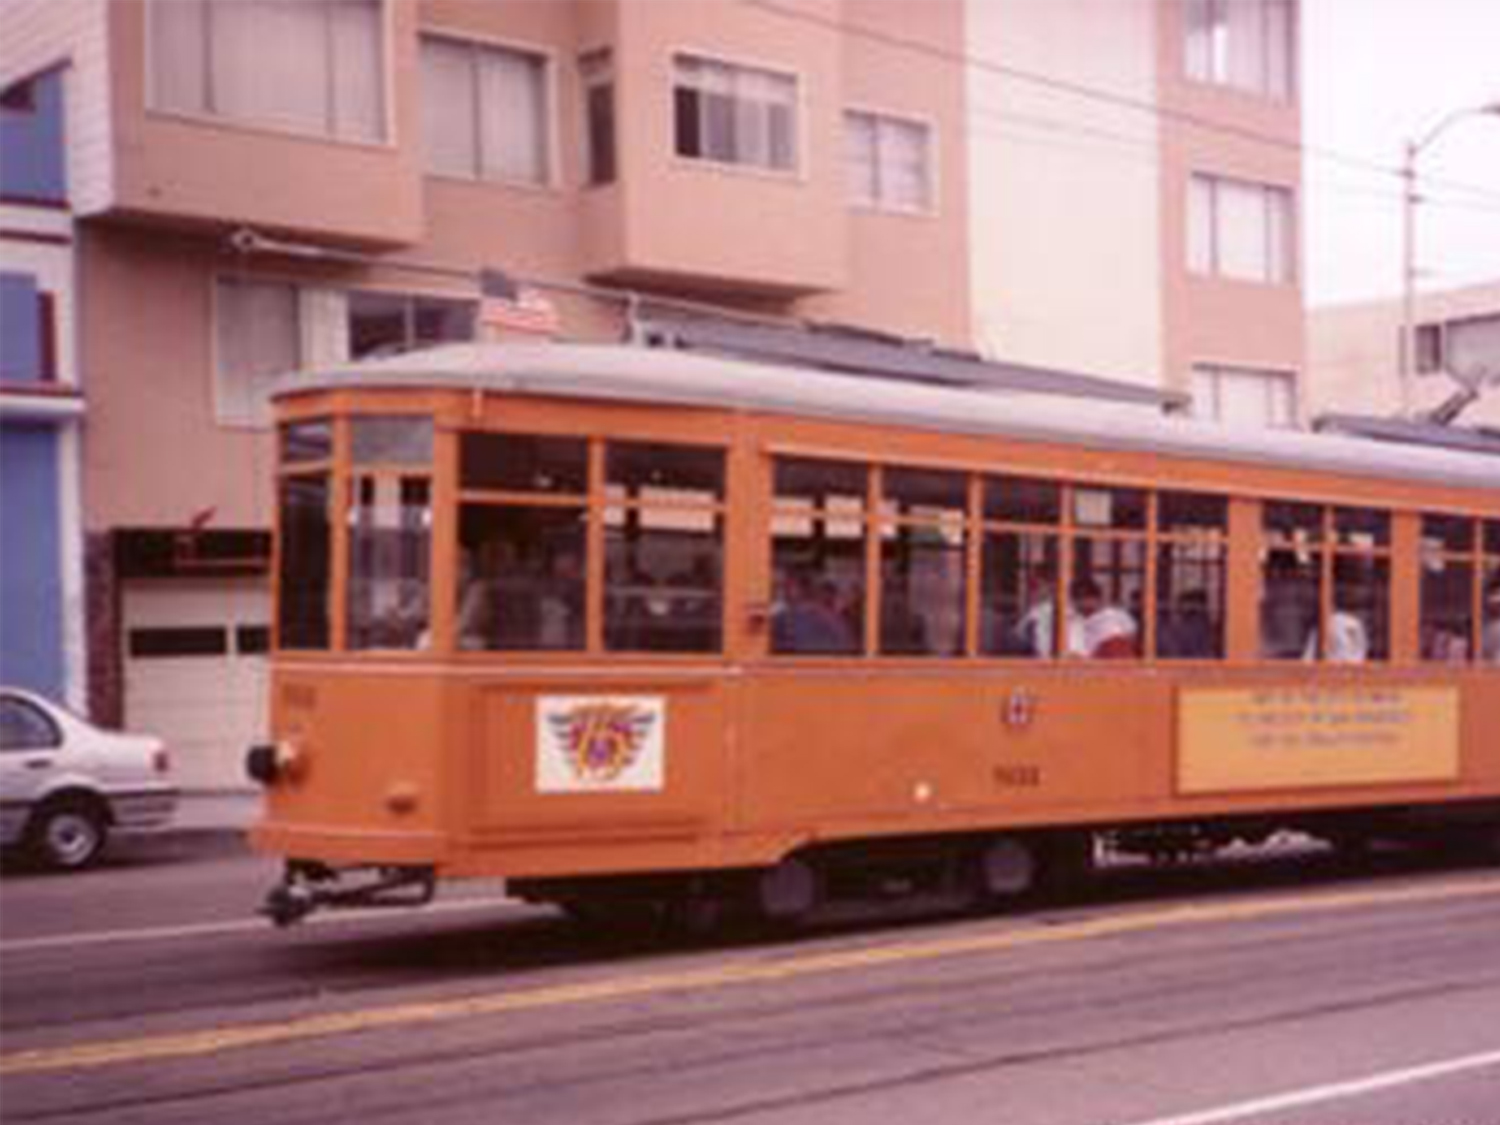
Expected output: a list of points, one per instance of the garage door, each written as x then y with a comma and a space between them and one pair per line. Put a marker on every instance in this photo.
196, 672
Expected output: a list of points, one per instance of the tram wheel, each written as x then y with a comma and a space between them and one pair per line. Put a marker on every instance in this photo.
790, 891
1005, 868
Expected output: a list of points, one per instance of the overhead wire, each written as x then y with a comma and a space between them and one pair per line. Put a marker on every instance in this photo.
1103, 96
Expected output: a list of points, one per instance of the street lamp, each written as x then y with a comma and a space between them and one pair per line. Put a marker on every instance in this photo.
1414, 148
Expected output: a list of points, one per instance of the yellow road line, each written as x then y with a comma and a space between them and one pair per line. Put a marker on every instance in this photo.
215, 1040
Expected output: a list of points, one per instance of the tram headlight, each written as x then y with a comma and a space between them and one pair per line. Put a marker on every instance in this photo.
270, 762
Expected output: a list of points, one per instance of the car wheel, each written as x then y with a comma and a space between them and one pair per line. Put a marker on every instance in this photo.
68, 837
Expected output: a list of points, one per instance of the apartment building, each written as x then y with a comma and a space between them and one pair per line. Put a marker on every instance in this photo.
751, 155
1136, 194
250, 186
41, 407
1354, 355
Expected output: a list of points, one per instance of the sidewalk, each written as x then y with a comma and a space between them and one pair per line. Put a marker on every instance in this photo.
216, 811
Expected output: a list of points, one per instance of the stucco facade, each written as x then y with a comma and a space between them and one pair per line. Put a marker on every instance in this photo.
998, 174
168, 159
1088, 128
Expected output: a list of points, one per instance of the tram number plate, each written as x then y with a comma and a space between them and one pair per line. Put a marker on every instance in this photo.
1018, 777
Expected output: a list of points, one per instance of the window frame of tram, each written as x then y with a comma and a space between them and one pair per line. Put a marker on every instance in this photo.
1325, 592
923, 562
664, 515
304, 550
1020, 566
1489, 646
529, 513
1108, 571
1460, 589
523, 542
388, 522
818, 544
1192, 575
1024, 543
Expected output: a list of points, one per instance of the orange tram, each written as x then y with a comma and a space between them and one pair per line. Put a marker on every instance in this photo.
640, 630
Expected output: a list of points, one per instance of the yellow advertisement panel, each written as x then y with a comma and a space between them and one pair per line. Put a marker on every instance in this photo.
1249, 739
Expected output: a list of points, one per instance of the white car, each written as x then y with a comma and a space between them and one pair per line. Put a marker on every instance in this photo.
65, 784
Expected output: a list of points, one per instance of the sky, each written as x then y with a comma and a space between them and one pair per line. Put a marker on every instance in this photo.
1375, 74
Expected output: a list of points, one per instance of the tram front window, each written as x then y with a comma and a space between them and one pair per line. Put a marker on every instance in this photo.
390, 533
390, 524
305, 562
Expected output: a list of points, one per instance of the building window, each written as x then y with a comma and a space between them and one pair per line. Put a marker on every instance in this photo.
596, 71
315, 67
1246, 44
1245, 395
1458, 345
32, 161
387, 323
734, 114
1429, 357
1238, 229
485, 112
258, 330
28, 331
889, 161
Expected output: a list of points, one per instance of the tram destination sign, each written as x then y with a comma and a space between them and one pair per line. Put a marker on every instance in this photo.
1294, 737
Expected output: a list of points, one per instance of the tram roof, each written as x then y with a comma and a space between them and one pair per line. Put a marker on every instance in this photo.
626, 373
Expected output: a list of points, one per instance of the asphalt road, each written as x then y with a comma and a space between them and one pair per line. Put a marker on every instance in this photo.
1293, 993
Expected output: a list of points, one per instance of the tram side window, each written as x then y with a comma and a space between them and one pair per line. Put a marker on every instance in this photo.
1490, 644
1107, 591
922, 562
303, 579
664, 548
1448, 577
1020, 567
818, 557
1291, 578
1190, 575
523, 539
1359, 624
522, 585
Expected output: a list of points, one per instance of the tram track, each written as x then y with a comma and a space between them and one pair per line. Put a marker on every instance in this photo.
960, 1064
953, 1004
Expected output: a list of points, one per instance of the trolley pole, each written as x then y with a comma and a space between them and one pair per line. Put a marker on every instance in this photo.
1409, 200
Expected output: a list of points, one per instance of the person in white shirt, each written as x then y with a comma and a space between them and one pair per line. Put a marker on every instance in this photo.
1037, 629
1105, 631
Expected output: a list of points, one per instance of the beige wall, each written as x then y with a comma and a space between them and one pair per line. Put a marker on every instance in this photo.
152, 453
1353, 361
1065, 257
905, 273
180, 169
1214, 320
780, 243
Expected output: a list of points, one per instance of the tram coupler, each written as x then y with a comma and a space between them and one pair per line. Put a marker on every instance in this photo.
306, 887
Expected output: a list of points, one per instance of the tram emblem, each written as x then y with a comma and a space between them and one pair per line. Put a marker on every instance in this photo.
600, 743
